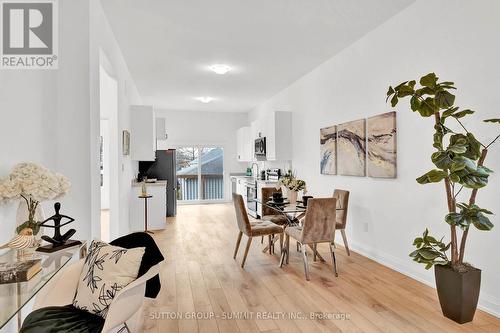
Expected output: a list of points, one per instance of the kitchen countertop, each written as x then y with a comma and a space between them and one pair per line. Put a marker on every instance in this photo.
163, 183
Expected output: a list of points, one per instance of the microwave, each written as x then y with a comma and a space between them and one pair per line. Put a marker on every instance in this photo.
260, 149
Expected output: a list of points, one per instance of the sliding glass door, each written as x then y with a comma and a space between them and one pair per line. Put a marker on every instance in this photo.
200, 173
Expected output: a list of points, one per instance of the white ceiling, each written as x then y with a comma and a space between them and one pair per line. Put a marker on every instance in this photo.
168, 44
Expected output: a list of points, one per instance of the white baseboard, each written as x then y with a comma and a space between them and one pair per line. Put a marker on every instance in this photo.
487, 303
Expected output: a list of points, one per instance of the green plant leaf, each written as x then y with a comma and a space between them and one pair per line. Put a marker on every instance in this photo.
442, 159
428, 254
429, 80
449, 112
447, 85
427, 107
415, 103
433, 176
461, 163
390, 91
394, 100
493, 120
462, 114
481, 222
473, 147
444, 99
418, 240
424, 91
454, 219
405, 90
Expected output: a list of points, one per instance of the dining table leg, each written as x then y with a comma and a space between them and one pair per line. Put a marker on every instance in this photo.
273, 240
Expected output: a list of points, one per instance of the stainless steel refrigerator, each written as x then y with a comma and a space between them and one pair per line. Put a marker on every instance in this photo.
163, 168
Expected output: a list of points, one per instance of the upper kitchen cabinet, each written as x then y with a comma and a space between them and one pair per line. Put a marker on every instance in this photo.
276, 127
244, 144
142, 133
161, 132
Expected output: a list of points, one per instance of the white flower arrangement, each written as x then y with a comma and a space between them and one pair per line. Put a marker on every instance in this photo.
34, 184
292, 183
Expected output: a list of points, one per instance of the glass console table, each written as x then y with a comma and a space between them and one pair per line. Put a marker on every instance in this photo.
14, 296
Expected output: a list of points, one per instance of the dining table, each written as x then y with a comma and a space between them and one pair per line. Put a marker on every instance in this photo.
292, 212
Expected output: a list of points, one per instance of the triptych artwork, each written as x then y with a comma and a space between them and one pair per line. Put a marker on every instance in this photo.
360, 147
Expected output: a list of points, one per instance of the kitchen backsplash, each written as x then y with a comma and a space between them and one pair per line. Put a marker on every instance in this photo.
283, 165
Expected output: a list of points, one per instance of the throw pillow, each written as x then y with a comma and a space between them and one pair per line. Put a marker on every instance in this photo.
107, 270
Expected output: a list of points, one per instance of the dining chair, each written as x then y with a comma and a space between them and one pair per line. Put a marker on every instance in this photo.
318, 226
342, 197
269, 214
254, 229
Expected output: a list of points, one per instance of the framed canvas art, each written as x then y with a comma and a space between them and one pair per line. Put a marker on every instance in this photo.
328, 150
125, 142
351, 148
382, 146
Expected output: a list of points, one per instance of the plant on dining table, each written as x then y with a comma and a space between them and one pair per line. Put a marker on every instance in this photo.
459, 165
292, 183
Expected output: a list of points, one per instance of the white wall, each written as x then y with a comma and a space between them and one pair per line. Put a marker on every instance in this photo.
47, 116
45, 119
459, 41
105, 52
205, 128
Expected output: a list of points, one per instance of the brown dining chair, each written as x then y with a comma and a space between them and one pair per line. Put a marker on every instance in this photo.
269, 214
342, 197
318, 226
254, 229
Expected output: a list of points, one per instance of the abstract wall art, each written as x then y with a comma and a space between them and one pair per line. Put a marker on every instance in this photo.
382, 146
351, 148
328, 150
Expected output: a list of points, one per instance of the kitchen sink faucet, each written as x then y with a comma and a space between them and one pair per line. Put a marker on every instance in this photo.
256, 175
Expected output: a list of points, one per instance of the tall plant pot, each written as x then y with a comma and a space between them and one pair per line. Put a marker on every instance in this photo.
458, 292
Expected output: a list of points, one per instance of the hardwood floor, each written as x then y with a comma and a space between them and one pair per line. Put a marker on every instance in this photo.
200, 277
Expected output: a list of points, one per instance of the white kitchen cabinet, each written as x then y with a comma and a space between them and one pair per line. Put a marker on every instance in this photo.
241, 189
279, 136
142, 133
276, 127
160, 129
244, 144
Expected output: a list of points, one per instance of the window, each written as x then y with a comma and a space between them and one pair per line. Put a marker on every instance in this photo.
200, 173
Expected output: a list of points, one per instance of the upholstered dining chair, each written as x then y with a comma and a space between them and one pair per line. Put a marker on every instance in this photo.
269, 214
254, 229
342, 197
318, 226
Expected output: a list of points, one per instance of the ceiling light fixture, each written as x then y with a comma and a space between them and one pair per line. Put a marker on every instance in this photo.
205, 99
220, 69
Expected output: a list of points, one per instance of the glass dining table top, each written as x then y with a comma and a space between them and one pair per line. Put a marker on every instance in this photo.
285, 206
14, 296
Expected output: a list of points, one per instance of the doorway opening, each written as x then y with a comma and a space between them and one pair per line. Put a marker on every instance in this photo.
108, 92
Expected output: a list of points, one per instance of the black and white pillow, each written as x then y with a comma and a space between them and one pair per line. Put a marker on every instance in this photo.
107, 270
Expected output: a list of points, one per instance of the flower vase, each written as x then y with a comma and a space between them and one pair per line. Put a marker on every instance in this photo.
292, 196
23, 221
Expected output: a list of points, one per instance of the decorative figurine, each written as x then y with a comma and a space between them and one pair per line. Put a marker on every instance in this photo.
58, 241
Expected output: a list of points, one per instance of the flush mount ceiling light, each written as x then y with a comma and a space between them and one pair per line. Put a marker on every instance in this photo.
205, 99
220, 69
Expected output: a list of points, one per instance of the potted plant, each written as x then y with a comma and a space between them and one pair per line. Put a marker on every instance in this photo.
460, 167
291, 185
33, 184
